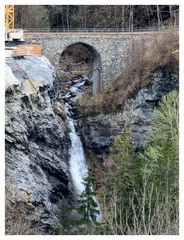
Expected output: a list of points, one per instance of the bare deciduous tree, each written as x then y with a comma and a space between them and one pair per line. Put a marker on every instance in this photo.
158, 17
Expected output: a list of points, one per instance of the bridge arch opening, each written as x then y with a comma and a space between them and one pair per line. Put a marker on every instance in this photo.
81, 59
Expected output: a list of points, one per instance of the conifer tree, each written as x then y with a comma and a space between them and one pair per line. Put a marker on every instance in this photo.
88, 208
143, 186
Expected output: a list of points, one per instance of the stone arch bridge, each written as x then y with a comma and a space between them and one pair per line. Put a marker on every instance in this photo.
112, 52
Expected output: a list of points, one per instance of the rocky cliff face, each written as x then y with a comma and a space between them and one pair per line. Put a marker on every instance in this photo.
37, 138
37, 142
136, 114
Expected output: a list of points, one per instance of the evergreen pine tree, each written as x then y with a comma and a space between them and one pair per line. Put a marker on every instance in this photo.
88, 208
119, 178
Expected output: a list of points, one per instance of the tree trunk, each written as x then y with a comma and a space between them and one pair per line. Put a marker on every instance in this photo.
171, 14
158, 17
131, 18
123, 18
85, 16
148, 15
115, 16
67, 17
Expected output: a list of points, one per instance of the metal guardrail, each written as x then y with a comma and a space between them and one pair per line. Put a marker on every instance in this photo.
107, 30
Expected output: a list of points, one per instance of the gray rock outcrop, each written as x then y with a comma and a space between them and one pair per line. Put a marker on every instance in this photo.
37, 142
98, 132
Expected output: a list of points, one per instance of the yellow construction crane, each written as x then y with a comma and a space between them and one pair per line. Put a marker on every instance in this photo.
11, 34
14, 38
9, 16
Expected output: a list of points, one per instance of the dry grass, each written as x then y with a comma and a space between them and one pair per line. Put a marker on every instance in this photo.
163, 53
18, 220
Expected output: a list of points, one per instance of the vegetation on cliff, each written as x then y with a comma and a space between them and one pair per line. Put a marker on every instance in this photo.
142, 195
87, 212
139, 183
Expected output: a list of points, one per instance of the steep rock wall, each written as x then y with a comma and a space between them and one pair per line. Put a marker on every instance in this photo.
136, 114
37, 142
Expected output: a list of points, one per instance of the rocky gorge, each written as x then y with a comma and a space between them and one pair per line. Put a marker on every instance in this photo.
42, 168
38, 141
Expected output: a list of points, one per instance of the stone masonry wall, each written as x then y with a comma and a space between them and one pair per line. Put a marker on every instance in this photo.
114, 50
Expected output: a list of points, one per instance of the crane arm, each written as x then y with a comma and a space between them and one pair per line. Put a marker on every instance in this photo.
9, 16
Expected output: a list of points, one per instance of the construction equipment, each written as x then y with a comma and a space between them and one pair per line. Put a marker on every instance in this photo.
11, 33
15, 47
9, 16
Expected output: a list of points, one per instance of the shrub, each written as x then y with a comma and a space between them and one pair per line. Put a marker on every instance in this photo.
67, 224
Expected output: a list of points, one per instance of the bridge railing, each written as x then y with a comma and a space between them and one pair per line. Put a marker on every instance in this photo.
97, 30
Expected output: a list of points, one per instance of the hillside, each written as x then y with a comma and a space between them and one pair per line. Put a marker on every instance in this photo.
85, 162
109, 16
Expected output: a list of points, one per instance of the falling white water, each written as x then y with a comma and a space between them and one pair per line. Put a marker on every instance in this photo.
78, 166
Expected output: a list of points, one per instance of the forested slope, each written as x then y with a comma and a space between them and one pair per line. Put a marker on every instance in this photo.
95, 16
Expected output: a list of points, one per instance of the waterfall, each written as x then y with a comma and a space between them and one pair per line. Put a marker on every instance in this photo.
78, 165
